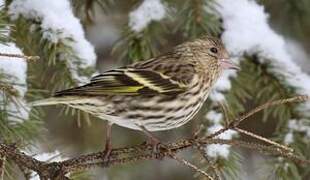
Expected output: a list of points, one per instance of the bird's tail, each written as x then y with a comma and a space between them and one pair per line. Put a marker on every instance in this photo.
53, 101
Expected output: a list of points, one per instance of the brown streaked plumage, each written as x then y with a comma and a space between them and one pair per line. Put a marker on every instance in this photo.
161, 93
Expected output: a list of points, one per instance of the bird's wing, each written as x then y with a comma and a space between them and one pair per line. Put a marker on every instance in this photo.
127, 81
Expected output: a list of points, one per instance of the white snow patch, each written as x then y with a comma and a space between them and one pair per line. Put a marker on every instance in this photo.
246, 30
214, 117
301, 125
15, 72
51, 156
215, 150
222, 84
226, 135
148, 11
289, 138
15, 67
58, 24
217, 96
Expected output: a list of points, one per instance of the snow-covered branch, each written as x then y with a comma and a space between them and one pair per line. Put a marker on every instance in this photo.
148, 11
247, 31
14, 73
59, 24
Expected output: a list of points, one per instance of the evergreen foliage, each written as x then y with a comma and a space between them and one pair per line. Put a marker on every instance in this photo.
253, 85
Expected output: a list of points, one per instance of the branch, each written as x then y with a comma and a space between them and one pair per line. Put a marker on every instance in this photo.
2, 166
30, 58
235, 122
58, 170
190, 165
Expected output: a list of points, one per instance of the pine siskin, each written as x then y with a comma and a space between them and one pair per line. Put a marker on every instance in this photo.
161, 93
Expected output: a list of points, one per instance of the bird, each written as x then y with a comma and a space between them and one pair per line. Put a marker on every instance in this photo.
157, 94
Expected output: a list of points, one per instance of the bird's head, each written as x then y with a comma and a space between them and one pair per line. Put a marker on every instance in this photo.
211, 54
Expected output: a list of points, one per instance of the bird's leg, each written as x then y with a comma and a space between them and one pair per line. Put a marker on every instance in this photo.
154, 141
108, 143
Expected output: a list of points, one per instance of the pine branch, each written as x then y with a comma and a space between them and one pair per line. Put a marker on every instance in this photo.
15, 123
133, 154
263, 139
86, 8
58, 170
234, 123
194, 19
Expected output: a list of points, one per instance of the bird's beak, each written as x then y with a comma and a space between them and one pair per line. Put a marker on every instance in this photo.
227, 64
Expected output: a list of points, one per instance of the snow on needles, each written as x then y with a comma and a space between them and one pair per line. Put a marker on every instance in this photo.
301, 126
14, 71
246, 30
215, 150
58, 24
148, 11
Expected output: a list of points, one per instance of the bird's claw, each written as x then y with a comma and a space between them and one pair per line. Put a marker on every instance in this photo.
157, 146
158, 149
106, 156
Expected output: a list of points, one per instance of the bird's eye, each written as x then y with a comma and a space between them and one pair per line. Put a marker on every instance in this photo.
214, 50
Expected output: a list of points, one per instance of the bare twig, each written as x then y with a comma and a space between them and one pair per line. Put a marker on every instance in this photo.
192, 166
301, 98
7, 88
234, 123
30, 58
264, 139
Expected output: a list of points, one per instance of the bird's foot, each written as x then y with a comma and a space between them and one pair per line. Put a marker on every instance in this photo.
157, 147
108, 145
106, 156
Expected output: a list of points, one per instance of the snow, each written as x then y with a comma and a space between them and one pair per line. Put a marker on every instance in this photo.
215, 150
15, 72
148, 11
20, 67
54, 156
289, 138
217, 96
226, 135
222, 84
246, 30
58, 24
302, 125
214, 117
